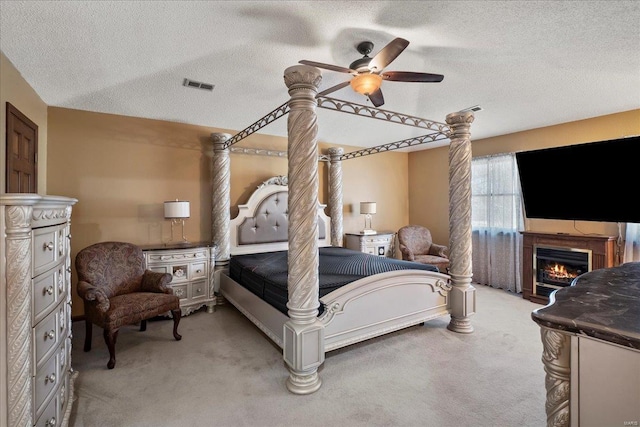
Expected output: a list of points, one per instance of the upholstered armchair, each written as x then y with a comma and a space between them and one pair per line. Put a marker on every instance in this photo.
417, 245
117, 290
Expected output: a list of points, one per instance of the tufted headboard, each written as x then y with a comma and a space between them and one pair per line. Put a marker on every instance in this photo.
262, 224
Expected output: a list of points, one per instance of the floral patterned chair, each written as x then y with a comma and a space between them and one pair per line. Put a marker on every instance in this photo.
417, 245
117, 290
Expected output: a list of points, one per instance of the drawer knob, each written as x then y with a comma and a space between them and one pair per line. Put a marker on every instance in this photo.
198, 271
51, 378
199, 289
51, 422
51, 335
48, 290
47, 246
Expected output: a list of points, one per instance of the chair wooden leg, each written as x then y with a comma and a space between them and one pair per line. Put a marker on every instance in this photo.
110, 338
177, 314
88, 334
143, 325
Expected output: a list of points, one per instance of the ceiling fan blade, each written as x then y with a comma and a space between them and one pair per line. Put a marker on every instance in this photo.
388, 54
328, 67
409, 76
333, 89
376, 98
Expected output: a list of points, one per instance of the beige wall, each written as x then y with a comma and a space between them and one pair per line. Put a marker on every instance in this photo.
428, 170
121, 169
16, 90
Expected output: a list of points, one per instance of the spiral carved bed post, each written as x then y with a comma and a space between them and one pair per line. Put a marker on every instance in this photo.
462, 294
556, 357
335, 194
303, 348
220, 203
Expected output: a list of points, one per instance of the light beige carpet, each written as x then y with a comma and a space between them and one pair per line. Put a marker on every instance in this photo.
225, 372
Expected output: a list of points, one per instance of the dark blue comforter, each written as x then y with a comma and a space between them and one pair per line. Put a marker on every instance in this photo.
265, 274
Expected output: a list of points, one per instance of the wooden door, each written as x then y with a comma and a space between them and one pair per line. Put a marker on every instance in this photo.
22, 152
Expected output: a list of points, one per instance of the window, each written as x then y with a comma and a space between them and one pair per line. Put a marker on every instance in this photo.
632, 243
496, 219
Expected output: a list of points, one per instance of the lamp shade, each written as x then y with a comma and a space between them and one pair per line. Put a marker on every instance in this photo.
176, 209
366, 83
367, 207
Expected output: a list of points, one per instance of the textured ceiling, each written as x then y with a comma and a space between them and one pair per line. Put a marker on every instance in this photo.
527, 64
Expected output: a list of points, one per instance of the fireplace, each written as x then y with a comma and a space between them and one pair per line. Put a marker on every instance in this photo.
556, 267
577, 254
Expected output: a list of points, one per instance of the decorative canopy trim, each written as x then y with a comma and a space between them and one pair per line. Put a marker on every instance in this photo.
380, 114
441, 130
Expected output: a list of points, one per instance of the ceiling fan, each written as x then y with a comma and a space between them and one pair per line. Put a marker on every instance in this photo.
368, 72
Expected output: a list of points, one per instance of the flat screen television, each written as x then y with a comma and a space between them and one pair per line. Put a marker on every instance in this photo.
597, 181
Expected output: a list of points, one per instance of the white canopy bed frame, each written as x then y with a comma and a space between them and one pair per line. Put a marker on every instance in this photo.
402, 298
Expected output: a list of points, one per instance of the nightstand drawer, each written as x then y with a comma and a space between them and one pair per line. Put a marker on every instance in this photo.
380, 244
181, 291
180, 273
199, 289
198, 270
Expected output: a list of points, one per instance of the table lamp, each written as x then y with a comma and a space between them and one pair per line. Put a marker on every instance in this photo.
177, 211
367, 209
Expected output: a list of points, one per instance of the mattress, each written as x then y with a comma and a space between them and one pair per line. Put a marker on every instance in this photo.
265, 274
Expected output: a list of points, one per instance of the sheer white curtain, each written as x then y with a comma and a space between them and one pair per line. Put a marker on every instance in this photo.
496, 218
632, 243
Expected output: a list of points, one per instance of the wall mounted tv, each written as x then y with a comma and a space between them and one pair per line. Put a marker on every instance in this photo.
597, 181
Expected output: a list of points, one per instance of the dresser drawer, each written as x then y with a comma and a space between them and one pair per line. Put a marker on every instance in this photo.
63, 397
46, 382
48, 248
49, 416
46, 291
63, 321
45, 337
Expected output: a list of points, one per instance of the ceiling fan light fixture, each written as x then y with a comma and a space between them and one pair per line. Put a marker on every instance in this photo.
366, 83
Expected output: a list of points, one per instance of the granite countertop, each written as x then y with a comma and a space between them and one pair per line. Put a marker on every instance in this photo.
603, 304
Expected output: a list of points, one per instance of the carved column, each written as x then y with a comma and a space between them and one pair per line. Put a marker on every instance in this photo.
462, 294
18, 294
220, 202
556, 357
335, 195
303, 333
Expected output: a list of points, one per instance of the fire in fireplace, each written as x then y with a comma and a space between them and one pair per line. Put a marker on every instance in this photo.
556, 267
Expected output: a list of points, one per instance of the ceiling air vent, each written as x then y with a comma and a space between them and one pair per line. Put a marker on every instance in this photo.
198, 85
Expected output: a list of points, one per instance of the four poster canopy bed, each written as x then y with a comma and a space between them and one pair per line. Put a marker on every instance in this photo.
280, 261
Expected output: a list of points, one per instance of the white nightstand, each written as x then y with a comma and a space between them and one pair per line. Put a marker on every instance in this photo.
191, 265
381, 243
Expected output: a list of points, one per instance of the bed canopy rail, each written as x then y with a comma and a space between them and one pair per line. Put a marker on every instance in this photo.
302, 82
257, 125
439, 129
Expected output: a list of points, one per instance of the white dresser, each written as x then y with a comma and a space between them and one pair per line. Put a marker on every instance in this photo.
191, 265
381, 243
35, 310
